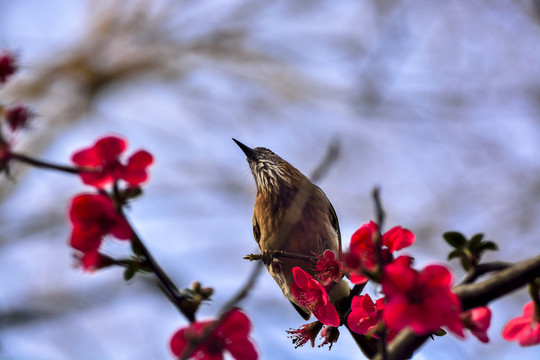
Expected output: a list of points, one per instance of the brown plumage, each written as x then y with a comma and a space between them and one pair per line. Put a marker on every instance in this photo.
293, 215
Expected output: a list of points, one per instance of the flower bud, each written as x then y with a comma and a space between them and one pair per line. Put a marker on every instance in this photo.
8, 65
18, 116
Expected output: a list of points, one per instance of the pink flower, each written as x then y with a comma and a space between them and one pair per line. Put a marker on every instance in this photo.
362, 255
525, 329
231, 334
477, 320
305, 333
93, 216
311, 294
328, 269
103, 159
8, 65
422, 300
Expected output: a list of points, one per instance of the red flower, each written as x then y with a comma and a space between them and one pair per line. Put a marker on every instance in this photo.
17, 116
422, 300
362, 253
305, 333
328, 269
103, 159
8, 65
94, 216
311, 294
230, 334
525, 329
477, 320
366, 315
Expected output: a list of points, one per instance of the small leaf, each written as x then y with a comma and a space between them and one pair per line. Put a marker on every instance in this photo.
475, 241
488, 245
137, 249
129, 273
439, 332
455, 239
133, 193
454, 254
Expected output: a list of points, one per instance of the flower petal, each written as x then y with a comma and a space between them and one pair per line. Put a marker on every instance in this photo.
301, 278
516, 328
327, 314
110, 147
398, 238
242, 350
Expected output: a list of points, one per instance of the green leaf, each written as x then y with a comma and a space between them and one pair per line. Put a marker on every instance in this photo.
133, 193
137, 249
129, 273
475, 241
455, 239
454, 254
439, 332
488, 245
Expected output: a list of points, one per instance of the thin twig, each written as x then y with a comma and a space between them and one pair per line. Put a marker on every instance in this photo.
166, 284
47, 165
483, 269
244, 291
380, 214
332, 153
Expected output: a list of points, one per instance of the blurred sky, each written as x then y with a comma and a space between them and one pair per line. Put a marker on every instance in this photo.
435, 102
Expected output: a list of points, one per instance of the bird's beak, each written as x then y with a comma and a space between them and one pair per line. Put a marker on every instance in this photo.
250, 153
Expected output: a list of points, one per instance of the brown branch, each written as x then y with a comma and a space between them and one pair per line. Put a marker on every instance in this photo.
500, 284
483, 269
379, 211
244, 291
46, 165
165, 283
472, 295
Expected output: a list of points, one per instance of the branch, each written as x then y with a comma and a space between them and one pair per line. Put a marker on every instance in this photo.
244, 291
379, 211
483, 269
332, 153
166, 284
500, 284
47, 165
471, 295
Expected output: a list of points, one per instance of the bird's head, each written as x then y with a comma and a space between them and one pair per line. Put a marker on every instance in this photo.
271, 172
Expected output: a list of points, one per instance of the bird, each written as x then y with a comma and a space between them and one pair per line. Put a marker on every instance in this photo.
293, 215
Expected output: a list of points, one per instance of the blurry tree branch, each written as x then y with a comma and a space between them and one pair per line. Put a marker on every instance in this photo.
129, 40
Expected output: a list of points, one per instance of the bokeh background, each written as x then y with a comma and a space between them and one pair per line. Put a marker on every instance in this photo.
436, 102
